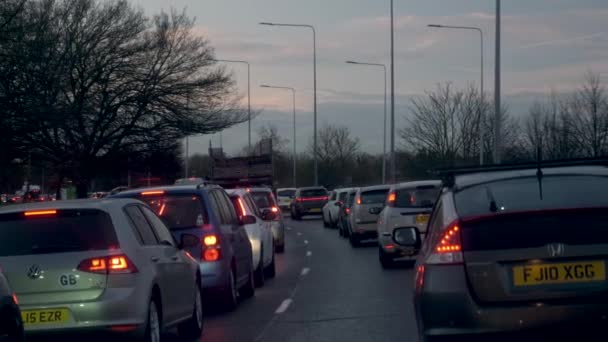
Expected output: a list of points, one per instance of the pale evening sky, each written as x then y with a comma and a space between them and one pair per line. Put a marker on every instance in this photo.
547, 44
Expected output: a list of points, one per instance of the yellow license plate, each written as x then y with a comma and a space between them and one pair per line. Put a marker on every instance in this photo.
40, 317
564, 273
315, 210
422, 219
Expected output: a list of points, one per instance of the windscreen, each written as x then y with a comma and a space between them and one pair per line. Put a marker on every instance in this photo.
286, 193
420, 197
63, 232
374, 196
262, 199
523, 194
313, 193
179, 211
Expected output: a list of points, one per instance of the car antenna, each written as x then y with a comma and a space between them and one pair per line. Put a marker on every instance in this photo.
539, 171
493, 206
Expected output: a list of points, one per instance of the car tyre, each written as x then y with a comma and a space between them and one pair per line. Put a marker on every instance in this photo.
153, 325
325, 223
340, 232
271, 270
385, 260
248, 290
193, 328
15, 333
258, 276
229, 297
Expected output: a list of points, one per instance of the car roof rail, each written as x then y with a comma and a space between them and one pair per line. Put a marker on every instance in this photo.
448, 175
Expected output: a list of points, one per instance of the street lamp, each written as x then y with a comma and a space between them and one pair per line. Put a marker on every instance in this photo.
248, 95
294, 127
481, 122
393, 173
384, 127
314, 42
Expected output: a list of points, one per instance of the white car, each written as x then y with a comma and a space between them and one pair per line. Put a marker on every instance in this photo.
408, 205
331, 210
259, 233
284, 197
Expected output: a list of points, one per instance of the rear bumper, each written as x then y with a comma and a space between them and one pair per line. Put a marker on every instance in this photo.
216, 275
124, 307
445, 307
365, 228
310, 208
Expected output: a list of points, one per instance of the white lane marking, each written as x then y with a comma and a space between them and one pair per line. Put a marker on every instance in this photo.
288, 228
305, 271
308, 253
283, 307
299, 234
306, 242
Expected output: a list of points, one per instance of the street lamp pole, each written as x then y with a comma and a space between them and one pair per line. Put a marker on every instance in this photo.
482, 102
384, 126
248, 96
293, 91
497, 137
314, 41
393, 173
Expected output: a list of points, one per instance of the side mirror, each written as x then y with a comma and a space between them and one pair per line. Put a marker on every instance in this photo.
375, 211
268, 215
247, 219
407, 237
189, 241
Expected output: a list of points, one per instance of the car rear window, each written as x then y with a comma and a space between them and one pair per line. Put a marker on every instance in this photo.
286, 193
263, 199
374, 196
179, 211
73, 230
419, 197
342, 196
313, 193
523, 194
351, 198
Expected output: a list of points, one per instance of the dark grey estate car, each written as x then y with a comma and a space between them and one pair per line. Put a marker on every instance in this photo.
515, 250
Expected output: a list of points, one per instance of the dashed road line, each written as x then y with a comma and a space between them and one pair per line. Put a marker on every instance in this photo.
305, 271
308, 253
284, 306
306, 242
299, 234
288, 228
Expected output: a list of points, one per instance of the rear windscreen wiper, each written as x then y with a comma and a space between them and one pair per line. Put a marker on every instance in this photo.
493, 206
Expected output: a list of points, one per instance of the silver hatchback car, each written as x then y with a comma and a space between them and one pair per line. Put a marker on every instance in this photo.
101, 265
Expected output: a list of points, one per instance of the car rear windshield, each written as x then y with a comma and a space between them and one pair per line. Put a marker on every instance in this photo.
179, 211
342, 196
313, 193
524, 194
286, 193
73, 230
419, 197
374, 196
263, 199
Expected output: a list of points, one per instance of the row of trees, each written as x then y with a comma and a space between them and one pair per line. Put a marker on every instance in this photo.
87, 86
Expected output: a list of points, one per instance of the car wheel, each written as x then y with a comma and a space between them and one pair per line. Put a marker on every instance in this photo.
259, 276
325, 223
15, 332
293, 215
193, 328
340, 233
385, 260
354, 240
271, 270
248, 290
230, 295
153, 326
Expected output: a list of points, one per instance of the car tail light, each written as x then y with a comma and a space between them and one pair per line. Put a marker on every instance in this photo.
311, 199
358, 200
274, 209
347, 210
447, 249
40, 213
392, 198
419, 277
114, 264
15, 299
153, 193
242, 206
211, 248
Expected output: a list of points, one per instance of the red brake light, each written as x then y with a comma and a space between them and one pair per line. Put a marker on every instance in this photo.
242, 206
211, 248
153, 193
358, 200
448, 248
40, 213
15, 299
162, 210
274, 209
211, 254
347, 210
108, 265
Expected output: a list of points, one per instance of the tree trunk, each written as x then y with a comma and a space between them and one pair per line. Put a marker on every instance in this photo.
82, 187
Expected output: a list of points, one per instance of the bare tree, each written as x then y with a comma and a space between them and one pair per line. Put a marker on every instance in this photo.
96, 77
587, 110
335, 145
271, 132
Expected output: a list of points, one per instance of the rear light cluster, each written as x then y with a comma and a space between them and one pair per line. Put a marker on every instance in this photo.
448, 248
211, 248
114, 264
392, 198
311, 199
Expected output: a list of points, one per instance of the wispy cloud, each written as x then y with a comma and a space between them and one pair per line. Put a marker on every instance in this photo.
565, 41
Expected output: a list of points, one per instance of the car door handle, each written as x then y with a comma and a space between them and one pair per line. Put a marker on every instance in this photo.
155, 259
